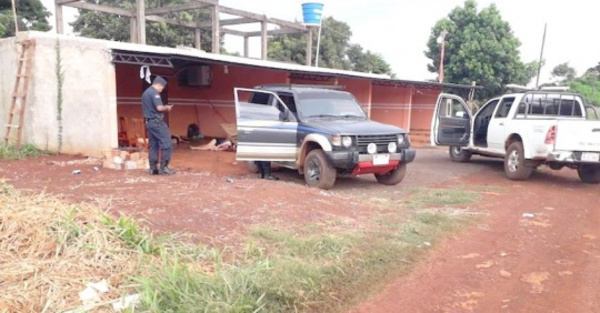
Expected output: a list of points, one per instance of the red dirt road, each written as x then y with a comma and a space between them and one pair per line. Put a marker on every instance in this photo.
510, 262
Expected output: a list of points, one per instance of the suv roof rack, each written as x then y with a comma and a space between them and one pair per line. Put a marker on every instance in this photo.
299, 86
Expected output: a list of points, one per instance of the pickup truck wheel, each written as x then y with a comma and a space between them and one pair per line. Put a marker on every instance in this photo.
317, 170
392, 177
514, 162
458, 154
589, 174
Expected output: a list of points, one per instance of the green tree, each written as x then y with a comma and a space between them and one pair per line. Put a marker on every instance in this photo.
480, 47
588, 85
564, 73
335, 50
367, 61
32, 15
114, 27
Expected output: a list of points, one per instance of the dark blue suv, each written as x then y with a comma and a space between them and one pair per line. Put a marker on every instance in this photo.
319, 131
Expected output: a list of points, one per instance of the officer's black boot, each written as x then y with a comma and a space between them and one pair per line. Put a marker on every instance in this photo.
268, 174
165, 170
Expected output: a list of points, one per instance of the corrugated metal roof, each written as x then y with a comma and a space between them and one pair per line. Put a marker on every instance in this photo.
230, 59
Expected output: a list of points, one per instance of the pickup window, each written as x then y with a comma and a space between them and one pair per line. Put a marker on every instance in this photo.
550, 106
504, 107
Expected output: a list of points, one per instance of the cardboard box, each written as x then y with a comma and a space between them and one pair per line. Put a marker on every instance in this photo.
124, 155
131, 165
112, 165
134, 156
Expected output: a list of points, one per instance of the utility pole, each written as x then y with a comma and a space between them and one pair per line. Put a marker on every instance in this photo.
442, 41
537, 81
14, 9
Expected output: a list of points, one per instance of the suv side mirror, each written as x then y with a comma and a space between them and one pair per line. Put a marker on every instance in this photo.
460, 114
284, 116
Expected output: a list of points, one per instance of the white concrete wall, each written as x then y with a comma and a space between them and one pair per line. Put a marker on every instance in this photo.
89, 109
8, 72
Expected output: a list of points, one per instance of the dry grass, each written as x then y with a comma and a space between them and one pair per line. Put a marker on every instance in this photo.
50, 250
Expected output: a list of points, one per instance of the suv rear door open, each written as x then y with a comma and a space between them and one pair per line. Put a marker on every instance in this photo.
451, 124
267, 130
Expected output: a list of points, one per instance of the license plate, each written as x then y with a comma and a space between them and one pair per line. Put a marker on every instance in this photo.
590, 157
381, 159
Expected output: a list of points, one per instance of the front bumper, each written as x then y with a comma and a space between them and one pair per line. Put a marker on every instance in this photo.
349, 160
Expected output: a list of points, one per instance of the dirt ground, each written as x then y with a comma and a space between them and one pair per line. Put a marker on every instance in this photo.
536, 250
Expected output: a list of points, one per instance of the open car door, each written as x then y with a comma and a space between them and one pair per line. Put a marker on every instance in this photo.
451, 122
266, 128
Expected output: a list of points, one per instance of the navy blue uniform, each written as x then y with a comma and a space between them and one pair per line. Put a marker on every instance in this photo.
158, 131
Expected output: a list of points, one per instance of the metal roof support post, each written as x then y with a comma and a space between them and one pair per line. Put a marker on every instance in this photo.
263, 38
198, 34
141, 22
216, 30
309, 39
246, 46
59, 18
133, 30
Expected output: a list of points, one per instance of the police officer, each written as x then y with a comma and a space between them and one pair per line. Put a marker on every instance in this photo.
264, 167
158, 131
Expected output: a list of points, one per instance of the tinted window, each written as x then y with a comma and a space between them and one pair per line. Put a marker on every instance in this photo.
289, 101
504, 107
260, 98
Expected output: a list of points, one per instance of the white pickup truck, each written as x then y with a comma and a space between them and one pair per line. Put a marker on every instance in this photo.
526, 129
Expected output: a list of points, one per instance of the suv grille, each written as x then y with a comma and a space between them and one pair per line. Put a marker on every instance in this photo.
381, 141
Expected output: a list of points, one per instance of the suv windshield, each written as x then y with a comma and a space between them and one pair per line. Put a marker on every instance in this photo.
329, 104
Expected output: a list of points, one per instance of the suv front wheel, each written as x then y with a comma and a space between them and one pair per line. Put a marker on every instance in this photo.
392, 177
317, 170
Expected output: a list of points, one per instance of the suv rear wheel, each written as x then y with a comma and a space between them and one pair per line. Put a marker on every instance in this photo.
589, 174
392, 177
317, 170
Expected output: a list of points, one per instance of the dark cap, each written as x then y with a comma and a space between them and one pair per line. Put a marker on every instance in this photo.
160, 80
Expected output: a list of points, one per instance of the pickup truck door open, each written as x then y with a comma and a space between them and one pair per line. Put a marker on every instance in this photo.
266, 129
498, 128
451, 123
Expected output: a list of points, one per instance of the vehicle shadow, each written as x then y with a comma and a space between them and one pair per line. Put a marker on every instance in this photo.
435, 167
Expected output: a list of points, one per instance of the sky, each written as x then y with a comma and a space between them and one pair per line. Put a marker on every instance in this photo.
399, 29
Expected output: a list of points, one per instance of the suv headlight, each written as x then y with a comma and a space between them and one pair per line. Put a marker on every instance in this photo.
346, 141
341, 141
336, 140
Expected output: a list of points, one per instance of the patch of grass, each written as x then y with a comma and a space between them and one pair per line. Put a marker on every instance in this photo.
423, 198
9, 152
319, 268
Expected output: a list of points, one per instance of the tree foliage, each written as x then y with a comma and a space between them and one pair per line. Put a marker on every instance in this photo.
564, 72
32, 15
587, 84
114, 27
335, 50
480, 47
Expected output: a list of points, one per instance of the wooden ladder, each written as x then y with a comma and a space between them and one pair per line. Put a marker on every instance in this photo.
19, 96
